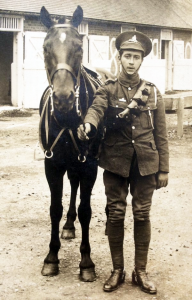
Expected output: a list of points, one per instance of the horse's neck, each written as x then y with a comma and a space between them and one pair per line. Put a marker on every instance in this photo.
90, 70
88, 88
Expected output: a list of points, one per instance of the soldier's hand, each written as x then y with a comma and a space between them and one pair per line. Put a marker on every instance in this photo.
162, 180
83, 131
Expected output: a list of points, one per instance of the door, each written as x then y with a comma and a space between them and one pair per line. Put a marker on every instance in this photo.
99, 51
166, 53
6, 59
178, 50
182, 68
35, 79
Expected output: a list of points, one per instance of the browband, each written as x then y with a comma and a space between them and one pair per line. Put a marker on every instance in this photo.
65, 26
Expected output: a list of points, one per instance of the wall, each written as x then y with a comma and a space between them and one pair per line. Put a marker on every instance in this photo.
182, 35
152, 69
152, 33
33, 23
185, 40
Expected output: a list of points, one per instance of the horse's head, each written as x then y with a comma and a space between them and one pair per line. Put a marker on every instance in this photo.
63, 56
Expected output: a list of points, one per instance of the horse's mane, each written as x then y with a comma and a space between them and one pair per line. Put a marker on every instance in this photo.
100, 73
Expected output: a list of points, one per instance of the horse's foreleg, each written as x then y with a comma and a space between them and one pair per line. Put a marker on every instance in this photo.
69, 228
87, 267
55, 181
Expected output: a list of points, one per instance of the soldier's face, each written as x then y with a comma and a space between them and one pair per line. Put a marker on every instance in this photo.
131, 60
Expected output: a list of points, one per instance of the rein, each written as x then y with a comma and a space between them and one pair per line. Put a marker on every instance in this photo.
64, 66
45, 111
49, 96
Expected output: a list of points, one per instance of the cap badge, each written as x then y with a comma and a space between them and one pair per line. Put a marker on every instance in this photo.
133, 39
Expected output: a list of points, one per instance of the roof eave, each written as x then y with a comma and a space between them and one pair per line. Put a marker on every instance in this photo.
25, 13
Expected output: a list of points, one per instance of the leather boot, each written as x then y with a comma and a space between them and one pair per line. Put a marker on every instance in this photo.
142, 236
140, 278
115, 236
114, 281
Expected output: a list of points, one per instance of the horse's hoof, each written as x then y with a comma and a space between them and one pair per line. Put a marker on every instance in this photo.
88, 275
68, 234
50, 269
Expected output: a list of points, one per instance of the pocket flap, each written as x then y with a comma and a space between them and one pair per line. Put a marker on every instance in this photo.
110, 139
152, 106
153, 145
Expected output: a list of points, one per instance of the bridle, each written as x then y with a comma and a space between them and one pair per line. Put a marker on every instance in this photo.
49, 95
65, 66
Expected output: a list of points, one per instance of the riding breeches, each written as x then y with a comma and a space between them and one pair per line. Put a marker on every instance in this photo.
116, 190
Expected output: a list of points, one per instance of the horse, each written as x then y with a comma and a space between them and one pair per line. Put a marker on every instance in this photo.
62, 109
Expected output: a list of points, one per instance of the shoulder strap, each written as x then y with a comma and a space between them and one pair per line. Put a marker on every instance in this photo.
144, 91
155, 93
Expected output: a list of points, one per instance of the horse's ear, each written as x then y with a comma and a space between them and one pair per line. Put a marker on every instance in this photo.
77, 16
45, 17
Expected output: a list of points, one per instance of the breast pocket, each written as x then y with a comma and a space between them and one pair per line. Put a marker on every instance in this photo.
147, 117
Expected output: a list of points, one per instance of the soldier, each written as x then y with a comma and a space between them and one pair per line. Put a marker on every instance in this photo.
134, 153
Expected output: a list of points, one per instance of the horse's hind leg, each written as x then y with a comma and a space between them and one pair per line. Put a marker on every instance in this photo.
55, 181
87, 267
69, 228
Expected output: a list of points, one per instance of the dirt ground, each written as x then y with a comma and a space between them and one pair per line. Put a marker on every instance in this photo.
25, 224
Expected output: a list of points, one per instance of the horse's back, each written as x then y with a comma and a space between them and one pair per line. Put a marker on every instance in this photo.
100, 73
105, 74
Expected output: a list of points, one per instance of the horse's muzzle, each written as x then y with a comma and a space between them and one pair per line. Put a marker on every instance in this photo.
64, 104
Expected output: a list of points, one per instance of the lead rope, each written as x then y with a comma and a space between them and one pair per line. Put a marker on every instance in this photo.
51, 91
81, 158
77, 90
45, 111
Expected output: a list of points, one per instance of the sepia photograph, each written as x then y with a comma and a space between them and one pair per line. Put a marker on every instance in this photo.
96, 150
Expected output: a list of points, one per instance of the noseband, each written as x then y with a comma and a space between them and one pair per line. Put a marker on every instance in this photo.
64, 66
49, 95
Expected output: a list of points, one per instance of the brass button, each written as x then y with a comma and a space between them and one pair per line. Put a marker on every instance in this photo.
133, 127
129, 88
133, 141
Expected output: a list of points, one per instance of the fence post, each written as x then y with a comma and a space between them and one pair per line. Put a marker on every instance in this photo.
180, 113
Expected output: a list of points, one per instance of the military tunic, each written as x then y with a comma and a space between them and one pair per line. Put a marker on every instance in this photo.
145, 133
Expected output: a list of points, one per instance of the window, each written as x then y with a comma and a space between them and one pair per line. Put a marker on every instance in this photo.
10, 23
83, 28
